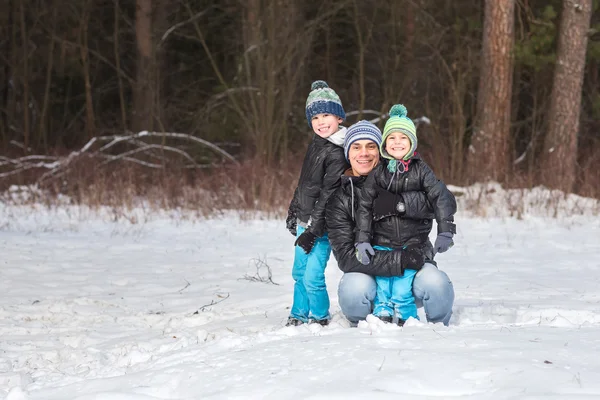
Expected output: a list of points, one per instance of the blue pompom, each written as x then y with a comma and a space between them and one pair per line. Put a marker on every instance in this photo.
398, 110
319, 85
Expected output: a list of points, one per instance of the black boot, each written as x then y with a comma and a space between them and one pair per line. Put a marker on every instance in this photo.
385, 318
293, 322
401, 322
322, 322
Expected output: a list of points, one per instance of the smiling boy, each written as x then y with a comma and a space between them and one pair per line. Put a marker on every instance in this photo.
321, 173
401, 171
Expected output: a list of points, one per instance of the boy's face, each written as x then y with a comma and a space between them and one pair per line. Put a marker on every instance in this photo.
397, 145
325, 125
363, 156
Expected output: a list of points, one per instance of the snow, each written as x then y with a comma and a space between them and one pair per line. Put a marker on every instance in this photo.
103, 305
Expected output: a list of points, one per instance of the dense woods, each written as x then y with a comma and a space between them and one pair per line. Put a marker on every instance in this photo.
510, 88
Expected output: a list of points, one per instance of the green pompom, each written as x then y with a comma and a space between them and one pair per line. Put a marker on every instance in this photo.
398, 110
319, 85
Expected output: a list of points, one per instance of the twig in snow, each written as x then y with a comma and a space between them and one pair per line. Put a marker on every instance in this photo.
381, 366
212, 303
261, 265
186, 286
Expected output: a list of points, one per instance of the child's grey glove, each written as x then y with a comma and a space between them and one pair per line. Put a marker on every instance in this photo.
306, 241
361, 252
443, 242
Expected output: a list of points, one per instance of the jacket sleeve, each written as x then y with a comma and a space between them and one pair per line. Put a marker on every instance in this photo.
442, 200
335, 165
364, 212
417, 206
340, 228
291, 220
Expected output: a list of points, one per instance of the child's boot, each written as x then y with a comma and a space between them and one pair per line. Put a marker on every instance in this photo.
293, 322
322, 322
385, 318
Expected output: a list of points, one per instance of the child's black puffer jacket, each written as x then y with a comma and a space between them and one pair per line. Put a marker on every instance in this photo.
393, 231
322, 169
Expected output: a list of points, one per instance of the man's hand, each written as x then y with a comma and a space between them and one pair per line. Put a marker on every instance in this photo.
443, 242
361, 252
306, 241
387, 204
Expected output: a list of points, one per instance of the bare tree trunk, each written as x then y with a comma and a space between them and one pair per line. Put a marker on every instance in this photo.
143, 97
363, 38
159, 62
90, 123
42, 129
272, 64
25, 79
559, 158
489, 145
116, 42
6, 110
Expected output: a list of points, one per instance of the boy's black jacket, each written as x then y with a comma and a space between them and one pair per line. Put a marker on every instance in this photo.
394, 231
322, 168
341, 227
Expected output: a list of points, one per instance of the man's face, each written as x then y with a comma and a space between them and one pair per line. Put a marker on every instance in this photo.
325, 125
363, 156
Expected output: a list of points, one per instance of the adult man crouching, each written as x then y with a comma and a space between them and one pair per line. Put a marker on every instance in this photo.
432, 288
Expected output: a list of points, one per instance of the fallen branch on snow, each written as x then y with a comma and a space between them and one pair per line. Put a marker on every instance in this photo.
133, 149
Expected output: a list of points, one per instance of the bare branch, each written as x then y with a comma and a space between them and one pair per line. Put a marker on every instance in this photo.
58, 166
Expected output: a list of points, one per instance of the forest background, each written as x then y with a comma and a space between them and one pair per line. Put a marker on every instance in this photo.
200, 104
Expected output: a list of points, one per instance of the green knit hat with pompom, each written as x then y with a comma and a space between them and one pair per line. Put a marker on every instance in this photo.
399, 122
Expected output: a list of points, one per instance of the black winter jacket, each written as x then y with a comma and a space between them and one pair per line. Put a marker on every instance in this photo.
394, 231
341, 210
322, 168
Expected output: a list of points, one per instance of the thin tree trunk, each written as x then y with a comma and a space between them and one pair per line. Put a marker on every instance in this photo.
143, 99
489, 145
559, 159
42, 133
90, 123
159, 62
25, 79
122, 105
361, 62
9, 52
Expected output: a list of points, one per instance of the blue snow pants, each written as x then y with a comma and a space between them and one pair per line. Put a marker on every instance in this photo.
395, 293
310, 293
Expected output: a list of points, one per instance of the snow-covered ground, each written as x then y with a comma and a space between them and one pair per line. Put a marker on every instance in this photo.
167, 308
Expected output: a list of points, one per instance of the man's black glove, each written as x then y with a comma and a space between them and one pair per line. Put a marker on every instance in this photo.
291, 222
387, 204
306, 240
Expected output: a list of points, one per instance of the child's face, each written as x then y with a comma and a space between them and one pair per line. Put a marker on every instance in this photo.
397, 145
363, 156
325, 125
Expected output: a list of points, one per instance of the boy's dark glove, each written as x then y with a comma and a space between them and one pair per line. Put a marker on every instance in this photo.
387, 204
411, 257
291, 222
361, 252
443, 242
306, 241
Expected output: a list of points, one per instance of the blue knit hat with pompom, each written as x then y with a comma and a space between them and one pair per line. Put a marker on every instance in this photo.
323, 100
